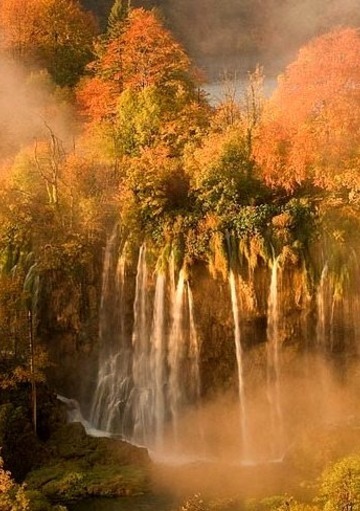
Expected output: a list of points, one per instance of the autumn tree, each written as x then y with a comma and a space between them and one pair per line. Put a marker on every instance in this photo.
19, 26
57, 34
310, 132
143, 85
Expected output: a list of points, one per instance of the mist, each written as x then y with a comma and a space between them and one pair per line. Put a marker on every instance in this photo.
30, 106
234, 36
319, 421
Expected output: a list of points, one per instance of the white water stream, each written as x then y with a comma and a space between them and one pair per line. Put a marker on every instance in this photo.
239, 360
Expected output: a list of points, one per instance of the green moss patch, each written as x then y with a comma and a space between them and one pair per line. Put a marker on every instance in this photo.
81, 466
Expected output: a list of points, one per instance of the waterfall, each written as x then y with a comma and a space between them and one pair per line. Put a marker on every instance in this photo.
239, 359
141, 397
176, 352
114, 375
149, 386
273, 361
149, 368
158, 347
194, 349
321, 310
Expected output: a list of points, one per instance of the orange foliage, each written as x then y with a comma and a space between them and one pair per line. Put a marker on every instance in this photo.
55, 33
151, 56
311, 126
19, 24
97, 97
144, 54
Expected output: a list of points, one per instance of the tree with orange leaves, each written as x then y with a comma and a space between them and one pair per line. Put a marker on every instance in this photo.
19, 26
143, 86
142, 55
55, 34
310, 134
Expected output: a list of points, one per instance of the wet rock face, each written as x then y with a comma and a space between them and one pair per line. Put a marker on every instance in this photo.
70, 441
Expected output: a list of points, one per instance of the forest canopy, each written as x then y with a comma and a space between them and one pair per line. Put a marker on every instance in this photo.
136, 139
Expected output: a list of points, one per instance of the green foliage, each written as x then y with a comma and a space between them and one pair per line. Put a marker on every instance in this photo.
118, 15
38, 501
81, 466
273, 503
155, 192
223, 177
70, 480
138, 120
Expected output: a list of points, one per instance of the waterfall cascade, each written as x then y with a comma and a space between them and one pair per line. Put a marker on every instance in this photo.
114, 373
158, 353
140, 389
155, 336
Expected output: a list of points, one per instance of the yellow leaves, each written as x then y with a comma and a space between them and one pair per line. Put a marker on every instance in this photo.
22, 373
12, 495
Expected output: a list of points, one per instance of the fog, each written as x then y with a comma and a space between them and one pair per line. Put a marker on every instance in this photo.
30, 105
234, 36
319, 417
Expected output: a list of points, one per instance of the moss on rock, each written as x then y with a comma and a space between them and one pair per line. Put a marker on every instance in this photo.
80, 466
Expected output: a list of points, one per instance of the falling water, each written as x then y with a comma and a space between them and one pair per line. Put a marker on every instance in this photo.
158, 347
321, 310
194, 349
141, 385
175, 353
325, 302
142, 393
114, 376
235, 311
273, 362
